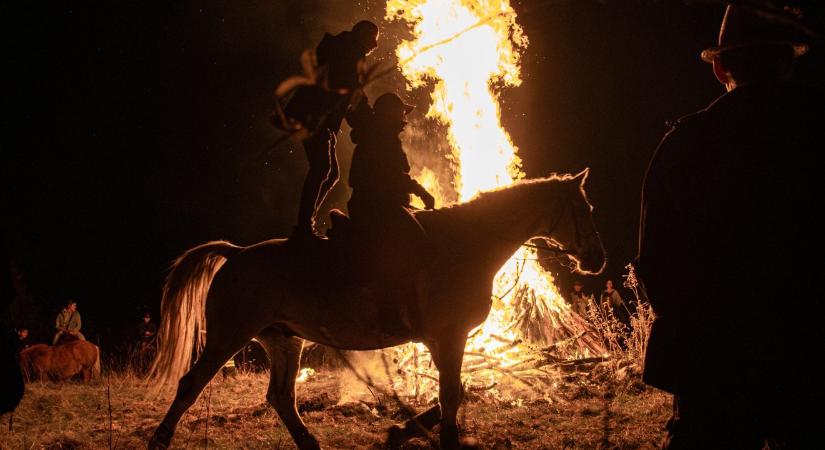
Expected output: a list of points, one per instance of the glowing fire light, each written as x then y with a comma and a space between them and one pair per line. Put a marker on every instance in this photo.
465, 46
468, 49
305, 374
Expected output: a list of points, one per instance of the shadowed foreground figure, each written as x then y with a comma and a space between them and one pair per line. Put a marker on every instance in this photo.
11, 388
282, 293
726, 206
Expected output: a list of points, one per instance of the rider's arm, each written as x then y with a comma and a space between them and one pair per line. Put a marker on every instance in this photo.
418, 190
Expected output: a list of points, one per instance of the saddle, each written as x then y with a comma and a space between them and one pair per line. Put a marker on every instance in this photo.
376, 258
384, 250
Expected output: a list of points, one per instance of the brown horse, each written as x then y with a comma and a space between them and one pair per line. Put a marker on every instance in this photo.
61, 362
274, 291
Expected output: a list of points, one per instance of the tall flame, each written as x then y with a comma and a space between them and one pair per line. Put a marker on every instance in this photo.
469, 49
466, 47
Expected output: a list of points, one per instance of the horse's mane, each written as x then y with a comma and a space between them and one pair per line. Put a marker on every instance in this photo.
500, 199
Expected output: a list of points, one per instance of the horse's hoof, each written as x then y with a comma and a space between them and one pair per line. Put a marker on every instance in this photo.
160, 439
155, 444
308, 442
470, 443
396, 436
448, 435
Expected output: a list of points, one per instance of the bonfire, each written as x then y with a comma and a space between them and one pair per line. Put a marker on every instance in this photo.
467, 52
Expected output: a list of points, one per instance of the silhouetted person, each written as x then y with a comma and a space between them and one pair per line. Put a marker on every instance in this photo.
147, 331
341, 60
380, 173
11, 387
68, 322
23, 339
578, 299
726, 220
611, 299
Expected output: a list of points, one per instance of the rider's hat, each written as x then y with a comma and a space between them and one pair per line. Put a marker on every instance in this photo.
743, 28
390, 104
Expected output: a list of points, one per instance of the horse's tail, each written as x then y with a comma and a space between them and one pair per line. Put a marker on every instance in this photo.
182, 332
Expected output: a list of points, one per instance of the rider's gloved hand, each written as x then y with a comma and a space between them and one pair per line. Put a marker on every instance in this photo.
429, 201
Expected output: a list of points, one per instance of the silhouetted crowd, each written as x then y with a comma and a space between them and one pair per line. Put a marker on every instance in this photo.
608, 303
68, 328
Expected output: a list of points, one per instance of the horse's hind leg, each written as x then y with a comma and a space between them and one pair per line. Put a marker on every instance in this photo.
213, 357
189, 388
284, 358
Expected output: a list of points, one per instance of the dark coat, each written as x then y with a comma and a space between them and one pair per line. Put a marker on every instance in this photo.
379, 173
341, 56
145, 328
341, 59
726, 241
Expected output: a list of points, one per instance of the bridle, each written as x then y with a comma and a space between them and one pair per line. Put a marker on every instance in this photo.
572, 210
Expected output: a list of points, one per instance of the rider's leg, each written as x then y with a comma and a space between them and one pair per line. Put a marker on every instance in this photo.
323, 171
318, 168
332, 176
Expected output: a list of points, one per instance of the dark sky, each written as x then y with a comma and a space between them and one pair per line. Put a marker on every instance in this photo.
132, 128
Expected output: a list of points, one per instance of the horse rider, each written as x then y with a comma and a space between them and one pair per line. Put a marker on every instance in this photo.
341, 63
727, 204
68, 322
380, 172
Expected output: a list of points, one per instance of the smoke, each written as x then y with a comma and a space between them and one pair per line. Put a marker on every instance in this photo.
370, 370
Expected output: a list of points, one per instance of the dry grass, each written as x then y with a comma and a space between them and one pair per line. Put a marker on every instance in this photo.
607, 408
589, 406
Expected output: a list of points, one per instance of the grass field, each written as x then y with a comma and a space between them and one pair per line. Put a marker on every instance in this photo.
587, 412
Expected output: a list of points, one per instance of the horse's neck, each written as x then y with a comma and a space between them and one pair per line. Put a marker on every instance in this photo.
490, 228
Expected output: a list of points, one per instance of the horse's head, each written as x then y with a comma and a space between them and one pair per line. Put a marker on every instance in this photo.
571, 229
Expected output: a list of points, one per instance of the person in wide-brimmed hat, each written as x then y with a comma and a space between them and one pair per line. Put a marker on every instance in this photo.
727, 194
379, 174
752, 48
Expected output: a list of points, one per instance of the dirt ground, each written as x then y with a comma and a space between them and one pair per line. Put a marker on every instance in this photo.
342, 414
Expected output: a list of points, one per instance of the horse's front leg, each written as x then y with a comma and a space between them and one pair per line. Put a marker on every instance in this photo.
448, 357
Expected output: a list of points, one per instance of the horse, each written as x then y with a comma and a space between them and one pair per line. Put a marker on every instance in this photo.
273, 292
61, 362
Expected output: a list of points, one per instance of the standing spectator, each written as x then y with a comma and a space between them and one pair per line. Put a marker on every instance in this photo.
23, 339
578, 299
147, 331
68, 322
612, 300
729, 203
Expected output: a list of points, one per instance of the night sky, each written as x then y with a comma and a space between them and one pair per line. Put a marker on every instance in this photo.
131, 130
